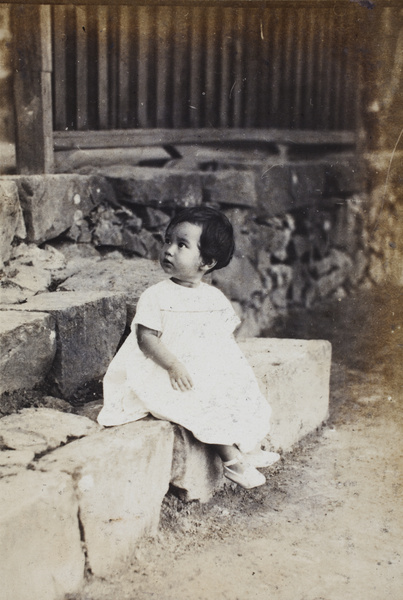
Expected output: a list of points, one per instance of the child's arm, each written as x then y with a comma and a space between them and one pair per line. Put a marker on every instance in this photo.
150, 343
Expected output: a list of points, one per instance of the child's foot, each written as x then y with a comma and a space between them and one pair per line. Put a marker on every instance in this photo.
243, 474
261, 458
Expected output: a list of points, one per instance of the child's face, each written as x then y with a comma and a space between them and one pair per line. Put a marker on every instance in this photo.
180, 254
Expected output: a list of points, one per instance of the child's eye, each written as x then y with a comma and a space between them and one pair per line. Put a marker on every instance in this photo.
167, 241
182, 245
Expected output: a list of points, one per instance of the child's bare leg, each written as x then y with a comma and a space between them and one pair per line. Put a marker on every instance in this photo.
237, 470
229, 453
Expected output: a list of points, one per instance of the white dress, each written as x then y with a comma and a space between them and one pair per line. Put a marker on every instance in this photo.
224, 406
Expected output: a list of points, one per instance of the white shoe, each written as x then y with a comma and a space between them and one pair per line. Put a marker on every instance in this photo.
261, 458
248, 479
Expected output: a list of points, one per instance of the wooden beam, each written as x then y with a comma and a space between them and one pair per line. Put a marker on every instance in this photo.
237, 3
31, 31
130, 138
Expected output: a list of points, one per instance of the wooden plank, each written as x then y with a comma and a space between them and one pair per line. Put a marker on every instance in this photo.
144, 41
299, 58
113, 67
181, 68
247, 3
237, 92
210, 68
102, 67
69, 140
31, 31
225, 70
251, 37
125, 35
163, 40
196, 81
82, 67
275, 66
59, 44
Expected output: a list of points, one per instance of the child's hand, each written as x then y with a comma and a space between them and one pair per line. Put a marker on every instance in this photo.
180, 378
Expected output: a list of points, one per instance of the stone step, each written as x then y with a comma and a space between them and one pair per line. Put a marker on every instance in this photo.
41, 556
294, 376
89, 326
27, 348
121, 475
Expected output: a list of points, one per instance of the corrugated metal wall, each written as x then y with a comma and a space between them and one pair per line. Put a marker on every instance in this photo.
118, 67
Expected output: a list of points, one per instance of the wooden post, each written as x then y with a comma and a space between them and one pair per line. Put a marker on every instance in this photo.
31, 30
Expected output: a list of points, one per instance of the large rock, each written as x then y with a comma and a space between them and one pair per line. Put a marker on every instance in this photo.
229, 187
11, 221
41, 557
155, 187
41, 430
294, 376
130, 277
89, 326
121, 476
196, 468
49, 202
27, 348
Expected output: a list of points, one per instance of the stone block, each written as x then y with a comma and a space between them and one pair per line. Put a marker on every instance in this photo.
274, 190
27, 348
121, 476
155, 187
130, 277
11, 220
343, 177
229, 187
49, 203
307, 182
196, 469
89, 326
41, 557
294, 376
43, 429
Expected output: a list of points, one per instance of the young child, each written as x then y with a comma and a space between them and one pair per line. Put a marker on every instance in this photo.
181, 362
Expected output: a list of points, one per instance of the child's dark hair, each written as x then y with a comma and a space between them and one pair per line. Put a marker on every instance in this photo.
217, 236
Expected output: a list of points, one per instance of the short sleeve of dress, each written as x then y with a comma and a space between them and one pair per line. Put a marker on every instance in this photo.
148, 311
231, 318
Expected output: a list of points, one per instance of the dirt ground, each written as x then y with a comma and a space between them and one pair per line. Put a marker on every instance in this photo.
329, 523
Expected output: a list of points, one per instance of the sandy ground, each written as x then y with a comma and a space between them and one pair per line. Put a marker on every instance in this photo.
329, 523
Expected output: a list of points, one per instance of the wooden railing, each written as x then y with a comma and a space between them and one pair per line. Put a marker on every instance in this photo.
134, 73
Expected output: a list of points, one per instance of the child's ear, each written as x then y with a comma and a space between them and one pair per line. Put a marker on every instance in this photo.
208, 266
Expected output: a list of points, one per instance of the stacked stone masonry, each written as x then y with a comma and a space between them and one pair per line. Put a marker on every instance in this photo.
76, 498
305, 231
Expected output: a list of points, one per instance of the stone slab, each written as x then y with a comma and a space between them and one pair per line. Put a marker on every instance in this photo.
27, 348
42, 430
121, 476
155, 187
89, 326
294, 376
196, 469
229, 187
41, 557
50, 202
127, 276
11, 220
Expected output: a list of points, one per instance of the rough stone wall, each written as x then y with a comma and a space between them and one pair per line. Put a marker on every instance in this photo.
99, 233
